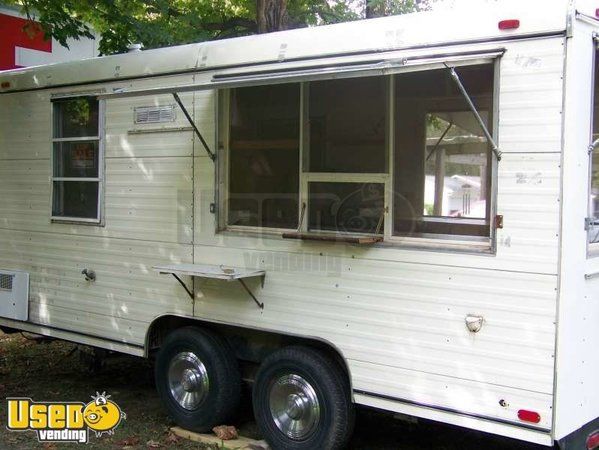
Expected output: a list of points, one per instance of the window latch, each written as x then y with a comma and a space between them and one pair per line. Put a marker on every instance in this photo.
593, 146
589, 222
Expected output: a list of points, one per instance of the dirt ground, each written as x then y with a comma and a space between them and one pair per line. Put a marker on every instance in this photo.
46, 371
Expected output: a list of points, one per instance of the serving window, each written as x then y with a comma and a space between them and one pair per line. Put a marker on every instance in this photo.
388, 156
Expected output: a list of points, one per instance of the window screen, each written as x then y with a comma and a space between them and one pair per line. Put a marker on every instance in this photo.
346, 207
264, 156
347, 125
442, 158
76, 159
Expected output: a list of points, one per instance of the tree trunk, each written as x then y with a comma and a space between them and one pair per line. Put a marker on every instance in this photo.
271, 15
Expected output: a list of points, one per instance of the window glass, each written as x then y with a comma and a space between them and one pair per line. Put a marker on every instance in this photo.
77, 199
346, 207
264, 156
594, 189
76, 117
76, 160
442, 158
347, 125
455, 165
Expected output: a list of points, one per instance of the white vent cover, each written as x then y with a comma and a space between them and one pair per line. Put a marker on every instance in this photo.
154, 114
14, 294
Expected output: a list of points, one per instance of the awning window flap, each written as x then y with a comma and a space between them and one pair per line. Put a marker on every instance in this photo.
385, 64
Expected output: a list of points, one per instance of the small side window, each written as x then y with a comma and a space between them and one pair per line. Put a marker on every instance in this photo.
76, 168
593, 220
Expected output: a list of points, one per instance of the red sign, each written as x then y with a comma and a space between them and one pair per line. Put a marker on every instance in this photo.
13, 34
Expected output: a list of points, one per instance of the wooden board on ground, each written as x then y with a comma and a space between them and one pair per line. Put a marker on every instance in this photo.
242, 443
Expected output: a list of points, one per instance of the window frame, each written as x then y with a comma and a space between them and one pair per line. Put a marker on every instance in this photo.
454, 242
426, 240
489, 187
307, 177
592, 224
100, 138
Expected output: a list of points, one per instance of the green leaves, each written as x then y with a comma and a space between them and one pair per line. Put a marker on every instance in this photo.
160, 23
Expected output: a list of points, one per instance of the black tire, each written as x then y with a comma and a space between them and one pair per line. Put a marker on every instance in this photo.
219, 397
334, 423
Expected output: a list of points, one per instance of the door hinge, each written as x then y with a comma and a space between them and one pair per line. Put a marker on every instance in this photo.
499, 222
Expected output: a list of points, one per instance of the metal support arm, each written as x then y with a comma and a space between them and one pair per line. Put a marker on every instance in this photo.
247, 289
479, 119
189, 292
211, 154
260, 305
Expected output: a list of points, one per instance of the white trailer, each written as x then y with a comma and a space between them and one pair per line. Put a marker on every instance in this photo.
398, 213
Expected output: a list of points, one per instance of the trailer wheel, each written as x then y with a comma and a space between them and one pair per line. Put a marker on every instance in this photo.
302, 401
197, 378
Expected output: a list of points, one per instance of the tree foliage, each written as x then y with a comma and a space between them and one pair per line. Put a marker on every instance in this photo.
159, 23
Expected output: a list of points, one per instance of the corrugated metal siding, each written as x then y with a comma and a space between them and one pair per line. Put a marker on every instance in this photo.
26, 126
531, 97
118, 305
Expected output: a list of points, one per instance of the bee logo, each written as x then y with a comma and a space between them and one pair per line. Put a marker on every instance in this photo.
102, 415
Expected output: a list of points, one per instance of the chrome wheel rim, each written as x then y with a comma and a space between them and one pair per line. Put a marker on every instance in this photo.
188, 380
294, 406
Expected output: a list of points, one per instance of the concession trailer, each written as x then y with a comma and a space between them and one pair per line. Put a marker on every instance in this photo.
401, 213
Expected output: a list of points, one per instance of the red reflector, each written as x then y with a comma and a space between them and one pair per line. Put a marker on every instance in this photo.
597, 12
5, 85
529, 416
510, 24
593, 441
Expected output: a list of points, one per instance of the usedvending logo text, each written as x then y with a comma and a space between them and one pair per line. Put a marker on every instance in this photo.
65, 421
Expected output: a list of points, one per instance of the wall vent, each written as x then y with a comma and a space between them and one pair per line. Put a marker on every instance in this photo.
6, 282
14, 294
154, 114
